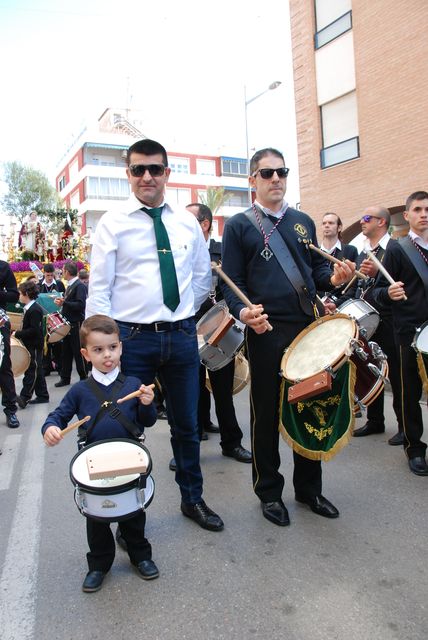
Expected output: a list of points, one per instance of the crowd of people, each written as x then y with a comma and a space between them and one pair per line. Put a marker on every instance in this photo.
151, 273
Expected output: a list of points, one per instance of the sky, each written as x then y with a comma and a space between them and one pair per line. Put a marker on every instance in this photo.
183, 64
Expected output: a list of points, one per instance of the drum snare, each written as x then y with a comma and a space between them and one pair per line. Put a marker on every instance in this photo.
220, 337
57, 327
366, 316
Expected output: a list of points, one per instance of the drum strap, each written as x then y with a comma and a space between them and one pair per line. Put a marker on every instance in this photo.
416, 259
108, 405
286, 261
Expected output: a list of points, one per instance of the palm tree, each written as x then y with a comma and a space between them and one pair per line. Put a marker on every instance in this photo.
215, 198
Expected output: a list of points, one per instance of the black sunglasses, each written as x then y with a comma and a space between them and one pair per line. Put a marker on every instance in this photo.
138, 170
267, 174
368, 218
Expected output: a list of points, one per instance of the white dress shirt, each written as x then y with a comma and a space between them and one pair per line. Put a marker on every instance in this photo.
105, 378
420, 241
125, 281
338, 246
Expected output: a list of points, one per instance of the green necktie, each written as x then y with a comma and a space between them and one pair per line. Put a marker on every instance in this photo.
171, 296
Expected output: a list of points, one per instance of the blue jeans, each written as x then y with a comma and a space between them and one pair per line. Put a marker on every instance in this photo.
173, 357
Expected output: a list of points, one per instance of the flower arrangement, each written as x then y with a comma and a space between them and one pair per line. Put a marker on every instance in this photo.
24, 265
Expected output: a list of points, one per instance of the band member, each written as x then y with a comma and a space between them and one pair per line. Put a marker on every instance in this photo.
32, 336
150, 270
407, 263
73, 309
375, 222
222, 379
101, 346
283, 292
49, 284
8, 294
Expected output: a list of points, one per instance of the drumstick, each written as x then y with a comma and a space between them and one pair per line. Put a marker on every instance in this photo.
327, 256
134, 394
74, 425
235, 289
381, 268
350, 283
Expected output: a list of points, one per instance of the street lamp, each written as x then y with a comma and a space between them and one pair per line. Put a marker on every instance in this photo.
273, 85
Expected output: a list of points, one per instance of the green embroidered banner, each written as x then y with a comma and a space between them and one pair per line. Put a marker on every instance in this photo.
319, 427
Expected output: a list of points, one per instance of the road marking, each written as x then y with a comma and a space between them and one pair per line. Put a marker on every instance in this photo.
10, 448
19, 575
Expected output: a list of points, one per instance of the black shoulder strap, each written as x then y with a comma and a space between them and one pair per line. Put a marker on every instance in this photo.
285, 259
108, 405
416, 259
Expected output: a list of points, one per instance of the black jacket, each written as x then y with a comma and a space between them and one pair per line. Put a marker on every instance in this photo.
73, 308
56, 285
31, 333
8, 289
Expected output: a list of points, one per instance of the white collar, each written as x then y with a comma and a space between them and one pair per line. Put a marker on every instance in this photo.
105, 378
338, 245
382, 242
72, 281
27, 306
133, 205
420, 241
268, 212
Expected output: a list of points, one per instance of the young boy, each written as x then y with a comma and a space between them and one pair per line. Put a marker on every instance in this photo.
31, 335
99, 336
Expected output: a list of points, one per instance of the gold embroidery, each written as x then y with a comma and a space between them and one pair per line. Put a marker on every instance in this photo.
320, 434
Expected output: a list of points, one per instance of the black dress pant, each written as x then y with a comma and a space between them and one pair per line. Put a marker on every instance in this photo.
411, 391
384, 336
222, 386
34, 378
265, 353
102, 546
7, 381
70, 350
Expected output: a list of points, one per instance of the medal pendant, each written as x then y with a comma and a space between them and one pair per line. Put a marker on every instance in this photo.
266, 253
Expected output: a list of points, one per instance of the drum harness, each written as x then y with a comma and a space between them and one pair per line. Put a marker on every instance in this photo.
108, 406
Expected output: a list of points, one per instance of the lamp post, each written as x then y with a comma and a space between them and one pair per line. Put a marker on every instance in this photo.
273, 85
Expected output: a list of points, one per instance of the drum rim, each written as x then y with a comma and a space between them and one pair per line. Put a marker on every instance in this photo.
110, 490
358, 300
305, 331
420, 330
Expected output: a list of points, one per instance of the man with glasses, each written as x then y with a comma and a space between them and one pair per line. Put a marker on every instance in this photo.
249, 258
375, 222
150, 271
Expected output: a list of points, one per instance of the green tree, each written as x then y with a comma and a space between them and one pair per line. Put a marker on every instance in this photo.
215, 198
28, 190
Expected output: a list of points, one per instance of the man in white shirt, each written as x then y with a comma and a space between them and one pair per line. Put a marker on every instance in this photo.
154, 298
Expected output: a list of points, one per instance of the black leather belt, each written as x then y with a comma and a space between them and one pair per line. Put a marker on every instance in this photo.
158, 327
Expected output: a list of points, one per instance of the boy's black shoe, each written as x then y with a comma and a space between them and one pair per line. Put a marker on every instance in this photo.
93, 581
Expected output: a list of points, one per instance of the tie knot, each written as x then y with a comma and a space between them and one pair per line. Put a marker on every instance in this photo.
156, 212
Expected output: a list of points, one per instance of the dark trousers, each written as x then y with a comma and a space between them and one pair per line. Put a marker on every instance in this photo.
70, 350
102, 546
34, 378
173, 357
411, 391
265, 353
7, 381
384, 336
52, 360
222, 386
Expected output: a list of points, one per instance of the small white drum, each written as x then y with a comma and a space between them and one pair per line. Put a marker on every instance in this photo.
241, 375
19, 357
367, 317
57, 327
220, 337
420, 344
114, 498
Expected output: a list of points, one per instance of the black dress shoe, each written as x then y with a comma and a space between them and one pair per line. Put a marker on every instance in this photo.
39, 400
369, 429
93, 581
397, 439
121, 540
147, 570
12, 421
204, 436
172, 464
62, 383
21, 402
212, 428
239, 453
276, 512
418, 466
320, 505
203, 515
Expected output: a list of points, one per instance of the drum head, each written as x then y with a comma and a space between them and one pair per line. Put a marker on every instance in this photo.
19, 356
79, 472
421, 340
322, 344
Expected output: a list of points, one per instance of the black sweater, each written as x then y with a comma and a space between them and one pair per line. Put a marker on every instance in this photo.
8, 289
31, 333
264, 282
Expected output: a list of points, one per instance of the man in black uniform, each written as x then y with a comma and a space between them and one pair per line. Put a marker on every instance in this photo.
8, 294
50, 284
222, 379
407, 262
288, 301
73, 309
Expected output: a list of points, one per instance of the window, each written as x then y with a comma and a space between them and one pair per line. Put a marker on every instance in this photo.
237, 198
234, 167
333, 30
178, 197
73, 170
107, 188
339, 123
61, 183
327, 11
179, 165
205, 167
75, 200
340, 152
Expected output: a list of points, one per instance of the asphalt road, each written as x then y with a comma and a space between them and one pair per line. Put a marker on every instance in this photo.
363, 576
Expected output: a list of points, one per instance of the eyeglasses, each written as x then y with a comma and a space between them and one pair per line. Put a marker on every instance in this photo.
138, 170
368, 218
267, 174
